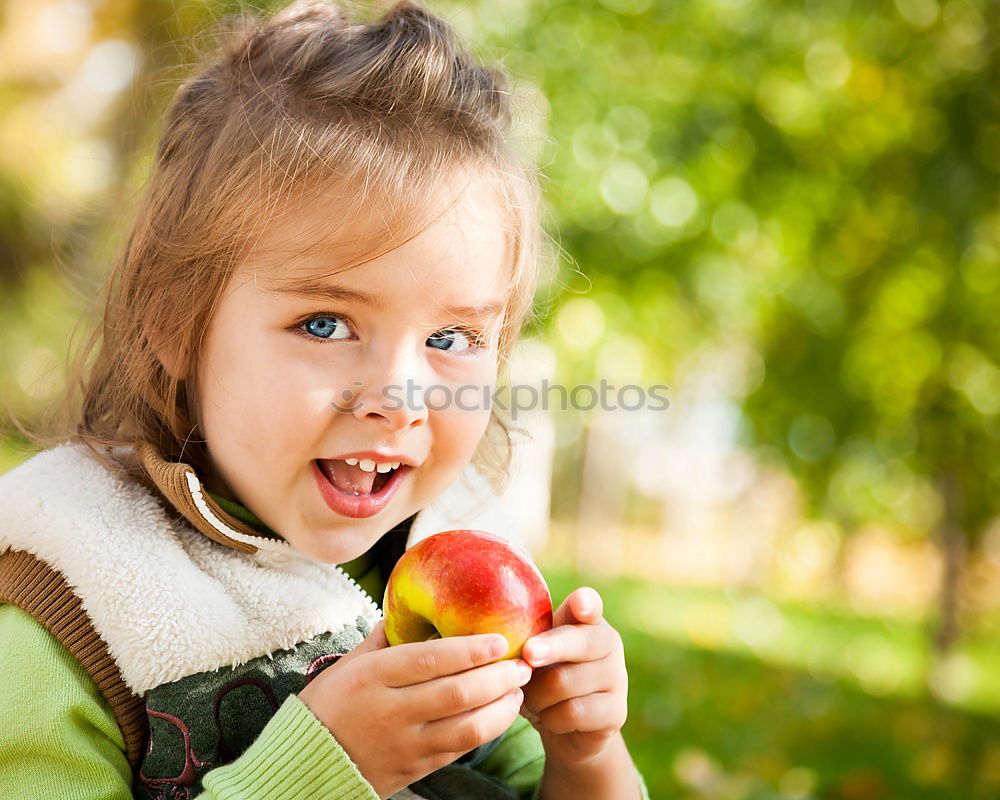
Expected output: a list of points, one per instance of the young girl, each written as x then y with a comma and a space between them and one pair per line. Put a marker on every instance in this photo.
336, 238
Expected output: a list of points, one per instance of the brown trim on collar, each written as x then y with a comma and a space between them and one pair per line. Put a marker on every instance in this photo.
39, 590
171, 479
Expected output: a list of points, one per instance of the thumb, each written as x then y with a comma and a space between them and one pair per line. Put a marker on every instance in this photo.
583, 606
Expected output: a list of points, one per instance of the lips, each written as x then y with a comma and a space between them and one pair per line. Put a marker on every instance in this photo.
349, 504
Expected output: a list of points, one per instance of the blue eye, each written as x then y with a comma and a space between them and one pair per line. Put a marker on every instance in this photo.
439, 340
326, 326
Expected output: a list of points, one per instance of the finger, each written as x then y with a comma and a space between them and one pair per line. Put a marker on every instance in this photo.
460, 733
570, 643
453, 694
587, 605
583, 606
559, 682
416, 662
592, 713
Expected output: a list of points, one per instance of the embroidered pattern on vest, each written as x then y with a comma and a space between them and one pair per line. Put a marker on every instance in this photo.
209, 719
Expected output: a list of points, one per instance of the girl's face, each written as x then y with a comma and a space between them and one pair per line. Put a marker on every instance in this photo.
301, 372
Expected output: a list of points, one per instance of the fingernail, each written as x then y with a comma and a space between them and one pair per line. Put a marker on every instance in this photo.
523, 673
498, 646
539, 652
587, 603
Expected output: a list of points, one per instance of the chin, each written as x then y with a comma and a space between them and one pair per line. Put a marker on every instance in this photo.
328, 553
339, 547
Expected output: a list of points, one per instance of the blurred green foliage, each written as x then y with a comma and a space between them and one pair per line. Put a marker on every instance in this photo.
816, 179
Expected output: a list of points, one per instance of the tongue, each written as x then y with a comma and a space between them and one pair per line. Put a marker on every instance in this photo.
348, 478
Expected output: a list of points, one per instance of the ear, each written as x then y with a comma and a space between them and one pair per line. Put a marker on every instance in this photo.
172, 356
174, 365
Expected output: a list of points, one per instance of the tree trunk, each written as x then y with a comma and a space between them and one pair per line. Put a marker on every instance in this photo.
951, 540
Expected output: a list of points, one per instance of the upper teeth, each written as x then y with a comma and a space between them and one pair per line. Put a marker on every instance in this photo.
370, 466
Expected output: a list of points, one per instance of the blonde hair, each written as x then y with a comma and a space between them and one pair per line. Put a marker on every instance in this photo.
300, 101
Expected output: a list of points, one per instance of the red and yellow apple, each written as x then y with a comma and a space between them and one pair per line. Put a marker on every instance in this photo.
464, 582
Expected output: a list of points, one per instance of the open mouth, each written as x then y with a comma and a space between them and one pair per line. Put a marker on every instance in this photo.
353, 491
354, 479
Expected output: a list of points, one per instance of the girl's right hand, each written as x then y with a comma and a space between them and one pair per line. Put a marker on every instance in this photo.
402, 712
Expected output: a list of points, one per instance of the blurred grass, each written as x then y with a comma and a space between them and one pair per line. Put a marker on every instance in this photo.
713, 718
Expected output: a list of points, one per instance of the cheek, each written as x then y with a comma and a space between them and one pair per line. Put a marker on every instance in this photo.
462, 420
256, 388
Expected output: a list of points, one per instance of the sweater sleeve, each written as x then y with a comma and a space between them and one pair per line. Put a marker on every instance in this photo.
58, 735
73, 749
519, 761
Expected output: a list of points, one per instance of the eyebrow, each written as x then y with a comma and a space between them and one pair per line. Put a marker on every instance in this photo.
320, 290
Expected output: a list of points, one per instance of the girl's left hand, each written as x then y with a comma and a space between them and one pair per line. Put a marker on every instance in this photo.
577, 698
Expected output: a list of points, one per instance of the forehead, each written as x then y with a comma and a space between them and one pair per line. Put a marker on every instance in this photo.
323, 233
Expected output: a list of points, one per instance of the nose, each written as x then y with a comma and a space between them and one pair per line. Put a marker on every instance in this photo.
394, 397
